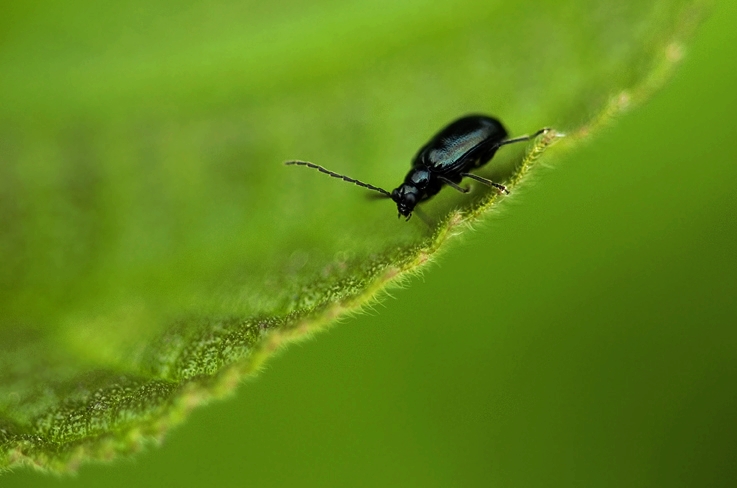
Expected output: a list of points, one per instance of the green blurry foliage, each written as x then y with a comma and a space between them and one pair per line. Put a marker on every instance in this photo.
155, 251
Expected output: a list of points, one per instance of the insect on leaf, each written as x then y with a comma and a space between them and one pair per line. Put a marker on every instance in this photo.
154, 248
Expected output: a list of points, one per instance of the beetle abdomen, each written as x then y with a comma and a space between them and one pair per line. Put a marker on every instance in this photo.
463, 141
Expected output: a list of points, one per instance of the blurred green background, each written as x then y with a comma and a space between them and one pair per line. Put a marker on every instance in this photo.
594, 332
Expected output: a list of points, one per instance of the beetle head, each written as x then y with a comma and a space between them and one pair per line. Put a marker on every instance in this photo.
406, 197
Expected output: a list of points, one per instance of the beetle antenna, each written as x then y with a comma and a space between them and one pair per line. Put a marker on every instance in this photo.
337, 175
523, 138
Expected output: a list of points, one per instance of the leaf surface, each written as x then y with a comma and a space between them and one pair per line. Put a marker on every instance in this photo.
154, 248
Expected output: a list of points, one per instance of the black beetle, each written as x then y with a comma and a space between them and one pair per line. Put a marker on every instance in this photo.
465, 144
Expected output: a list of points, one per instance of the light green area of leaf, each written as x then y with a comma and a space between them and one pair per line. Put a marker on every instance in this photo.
154, 249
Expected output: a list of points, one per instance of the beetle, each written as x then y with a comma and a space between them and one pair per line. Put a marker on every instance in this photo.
463, 145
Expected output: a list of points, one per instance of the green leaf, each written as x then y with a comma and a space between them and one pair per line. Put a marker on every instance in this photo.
154, 248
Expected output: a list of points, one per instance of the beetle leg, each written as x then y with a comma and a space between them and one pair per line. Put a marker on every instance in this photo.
523, 138
486, 182
423, 216
453, 185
